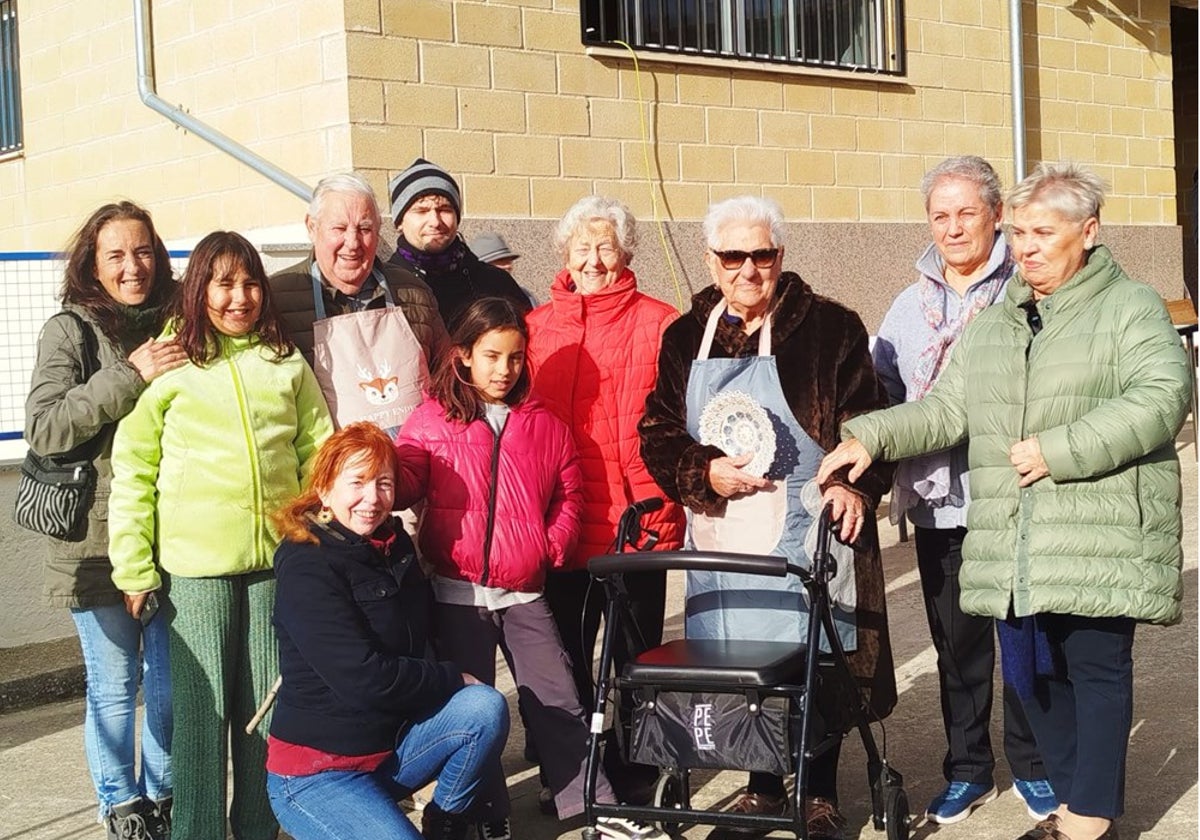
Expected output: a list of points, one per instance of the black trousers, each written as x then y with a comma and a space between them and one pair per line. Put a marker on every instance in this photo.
577, 611
966, 658
1082, 715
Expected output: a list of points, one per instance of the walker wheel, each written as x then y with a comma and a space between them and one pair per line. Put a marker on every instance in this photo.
590, 833
896, 818
668, 793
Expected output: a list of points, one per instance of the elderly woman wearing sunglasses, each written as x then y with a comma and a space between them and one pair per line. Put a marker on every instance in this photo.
752, 386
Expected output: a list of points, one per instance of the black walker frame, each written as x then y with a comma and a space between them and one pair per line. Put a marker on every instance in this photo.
729, 667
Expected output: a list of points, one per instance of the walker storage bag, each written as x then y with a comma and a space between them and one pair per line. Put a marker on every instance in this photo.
54, 498
743, 731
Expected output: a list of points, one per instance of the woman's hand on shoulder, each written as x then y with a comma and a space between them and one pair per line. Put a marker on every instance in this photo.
727, 478
154, 358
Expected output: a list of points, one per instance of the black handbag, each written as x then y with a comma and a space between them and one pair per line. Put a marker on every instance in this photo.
56, 493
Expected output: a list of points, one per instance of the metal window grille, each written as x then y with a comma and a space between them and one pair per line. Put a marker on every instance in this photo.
851, 35
10, 80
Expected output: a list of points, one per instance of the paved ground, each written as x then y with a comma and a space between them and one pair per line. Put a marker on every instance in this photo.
45, 793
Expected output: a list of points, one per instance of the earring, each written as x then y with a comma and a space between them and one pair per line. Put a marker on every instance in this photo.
324, 515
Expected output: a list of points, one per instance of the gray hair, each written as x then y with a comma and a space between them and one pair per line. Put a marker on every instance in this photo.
970, 168
1067, 188
342, 182
749, 209
598, 208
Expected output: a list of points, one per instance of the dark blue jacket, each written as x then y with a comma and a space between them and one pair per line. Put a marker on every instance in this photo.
352, 626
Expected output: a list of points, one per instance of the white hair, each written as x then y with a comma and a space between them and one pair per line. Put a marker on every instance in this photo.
747, 209
342, 183
1066, 188
598, 208
970, 168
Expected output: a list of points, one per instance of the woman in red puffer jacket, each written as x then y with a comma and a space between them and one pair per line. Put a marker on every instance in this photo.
593, 351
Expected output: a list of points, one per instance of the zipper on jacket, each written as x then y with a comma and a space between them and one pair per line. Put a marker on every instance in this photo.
255, 477
1020, 584
491, 517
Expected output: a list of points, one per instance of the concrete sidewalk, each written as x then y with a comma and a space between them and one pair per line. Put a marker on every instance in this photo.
45, 793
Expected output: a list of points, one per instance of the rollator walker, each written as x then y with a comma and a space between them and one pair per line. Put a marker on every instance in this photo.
727, 704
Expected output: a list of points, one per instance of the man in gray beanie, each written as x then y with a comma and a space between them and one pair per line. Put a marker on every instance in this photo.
427, 209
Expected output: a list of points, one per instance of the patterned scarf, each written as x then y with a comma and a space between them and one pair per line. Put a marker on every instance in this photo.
435, 265
945, 331
929, 478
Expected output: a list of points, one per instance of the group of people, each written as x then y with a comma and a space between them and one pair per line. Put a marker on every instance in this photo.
366, 477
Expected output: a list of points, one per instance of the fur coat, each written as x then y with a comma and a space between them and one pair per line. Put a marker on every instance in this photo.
821, 350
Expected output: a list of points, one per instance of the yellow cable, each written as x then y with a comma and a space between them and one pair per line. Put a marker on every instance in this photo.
662, 236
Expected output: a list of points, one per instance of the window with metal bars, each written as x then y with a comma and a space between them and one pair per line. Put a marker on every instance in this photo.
850, 35
10, 80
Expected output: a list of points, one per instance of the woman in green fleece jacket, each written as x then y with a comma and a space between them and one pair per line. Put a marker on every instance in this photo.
1071, 391
208, 453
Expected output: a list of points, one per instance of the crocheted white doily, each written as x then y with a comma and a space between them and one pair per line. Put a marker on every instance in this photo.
735, 423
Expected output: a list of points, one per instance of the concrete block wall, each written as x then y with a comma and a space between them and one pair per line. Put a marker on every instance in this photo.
503, 94
272, 76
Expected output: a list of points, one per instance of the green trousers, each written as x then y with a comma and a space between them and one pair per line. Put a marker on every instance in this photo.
223, 662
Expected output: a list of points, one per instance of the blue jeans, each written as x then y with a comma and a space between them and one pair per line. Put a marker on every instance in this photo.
455, 745
119, 655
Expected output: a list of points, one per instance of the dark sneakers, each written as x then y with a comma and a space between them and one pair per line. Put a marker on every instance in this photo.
128, 821
436, 824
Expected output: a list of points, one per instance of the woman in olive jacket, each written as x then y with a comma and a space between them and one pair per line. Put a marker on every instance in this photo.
115, 289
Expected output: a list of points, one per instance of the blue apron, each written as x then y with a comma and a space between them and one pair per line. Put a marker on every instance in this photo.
769, 521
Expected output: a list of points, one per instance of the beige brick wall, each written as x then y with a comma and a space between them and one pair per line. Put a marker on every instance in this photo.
504, 96
271, 76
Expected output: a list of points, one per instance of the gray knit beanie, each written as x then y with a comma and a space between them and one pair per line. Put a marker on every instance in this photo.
422, 178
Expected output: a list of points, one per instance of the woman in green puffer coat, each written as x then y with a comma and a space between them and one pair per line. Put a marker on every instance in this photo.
1071, 392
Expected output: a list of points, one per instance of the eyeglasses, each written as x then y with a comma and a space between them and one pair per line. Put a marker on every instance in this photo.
733, 260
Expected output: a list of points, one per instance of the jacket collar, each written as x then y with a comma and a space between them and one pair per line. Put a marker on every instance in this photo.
1098, 273
793, 299
603, 307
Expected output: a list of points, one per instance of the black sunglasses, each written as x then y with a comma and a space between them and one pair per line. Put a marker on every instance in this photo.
733, 260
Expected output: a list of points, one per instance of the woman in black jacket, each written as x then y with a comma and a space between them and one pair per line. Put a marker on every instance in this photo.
365, 714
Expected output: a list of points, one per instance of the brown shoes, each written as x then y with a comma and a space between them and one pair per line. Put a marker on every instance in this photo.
825, 822
750, 803
1048, 829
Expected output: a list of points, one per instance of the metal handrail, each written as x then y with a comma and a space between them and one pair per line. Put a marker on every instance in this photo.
147, 90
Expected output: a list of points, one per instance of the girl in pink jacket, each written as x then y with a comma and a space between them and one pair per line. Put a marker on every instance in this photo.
503, 492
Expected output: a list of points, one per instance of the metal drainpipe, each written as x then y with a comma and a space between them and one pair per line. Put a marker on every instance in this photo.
144, 48
1018, 90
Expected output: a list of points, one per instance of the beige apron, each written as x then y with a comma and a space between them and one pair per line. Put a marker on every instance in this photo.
369, 363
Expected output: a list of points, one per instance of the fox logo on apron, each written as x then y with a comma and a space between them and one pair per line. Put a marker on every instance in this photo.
382, 389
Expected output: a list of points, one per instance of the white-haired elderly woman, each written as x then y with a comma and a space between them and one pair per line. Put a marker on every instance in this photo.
726, 356
593, 350
964, 270
1071, 392
351, 313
